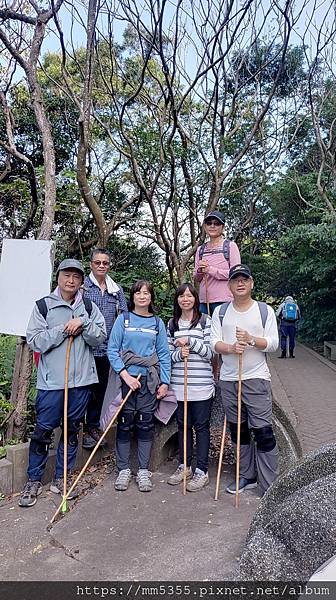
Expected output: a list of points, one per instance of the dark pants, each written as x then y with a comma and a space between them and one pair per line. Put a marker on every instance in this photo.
49, 415
258, 456
98, 392
198, 417
138, 415
290, 332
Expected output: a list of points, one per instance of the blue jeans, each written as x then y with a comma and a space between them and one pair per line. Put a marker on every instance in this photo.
212, 306
198, 417
49, 415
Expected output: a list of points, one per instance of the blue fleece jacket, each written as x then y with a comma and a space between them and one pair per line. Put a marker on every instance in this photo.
141, 336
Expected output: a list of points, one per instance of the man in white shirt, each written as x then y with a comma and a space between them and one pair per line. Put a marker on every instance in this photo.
249, 328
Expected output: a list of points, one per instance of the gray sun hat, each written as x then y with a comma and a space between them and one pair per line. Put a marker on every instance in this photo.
71, 263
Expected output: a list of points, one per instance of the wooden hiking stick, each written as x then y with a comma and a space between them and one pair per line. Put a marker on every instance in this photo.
207, 294
185, 423
123, 402
240, 372
221, 453
65, 423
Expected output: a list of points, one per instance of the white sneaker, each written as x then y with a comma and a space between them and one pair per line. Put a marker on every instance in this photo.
123, 480
143, 480
177, 477
199, 481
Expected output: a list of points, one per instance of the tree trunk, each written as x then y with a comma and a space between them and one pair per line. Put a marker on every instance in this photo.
20, 387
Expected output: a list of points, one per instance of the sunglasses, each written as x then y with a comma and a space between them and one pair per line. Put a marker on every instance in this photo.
215, 223
97, 263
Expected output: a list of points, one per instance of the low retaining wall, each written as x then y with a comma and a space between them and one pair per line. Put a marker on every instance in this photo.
13, 468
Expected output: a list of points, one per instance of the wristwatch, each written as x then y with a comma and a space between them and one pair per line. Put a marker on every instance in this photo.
252, 342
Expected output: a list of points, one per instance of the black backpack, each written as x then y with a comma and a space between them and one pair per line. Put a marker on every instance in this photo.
126, 321
262, 309
225, 250
42, 306
172, 330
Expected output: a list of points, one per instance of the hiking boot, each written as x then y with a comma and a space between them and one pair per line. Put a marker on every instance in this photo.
199, 481
283, 354
143, 480
177, 477
31, 490
91, 437
244, 484
123, 480
57, 486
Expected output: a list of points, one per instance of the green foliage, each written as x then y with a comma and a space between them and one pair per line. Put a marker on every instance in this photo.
7, 358
5, 408
131, 263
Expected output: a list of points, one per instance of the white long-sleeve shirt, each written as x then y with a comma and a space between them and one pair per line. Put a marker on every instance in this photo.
254, 360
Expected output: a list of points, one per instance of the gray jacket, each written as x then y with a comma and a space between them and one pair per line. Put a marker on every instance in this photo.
47, 337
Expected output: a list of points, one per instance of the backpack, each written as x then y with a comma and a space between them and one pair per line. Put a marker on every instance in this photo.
290, 311
126, 321
43, 309
262, 309
171, 329
225, 250
42, 306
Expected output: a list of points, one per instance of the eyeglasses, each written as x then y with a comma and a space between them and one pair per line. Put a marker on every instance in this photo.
214, 223
97, 263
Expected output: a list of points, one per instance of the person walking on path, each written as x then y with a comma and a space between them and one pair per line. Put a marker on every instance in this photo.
289, 315
249, 328
189, 337
54, 319
138, 346
212, 263
100, 288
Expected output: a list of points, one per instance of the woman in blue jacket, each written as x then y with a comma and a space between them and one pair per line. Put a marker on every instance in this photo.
138, 346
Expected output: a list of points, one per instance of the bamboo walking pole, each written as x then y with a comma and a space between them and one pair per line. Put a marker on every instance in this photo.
207, 294
185, 423
65, 424
221, 454
240, 372
123, 402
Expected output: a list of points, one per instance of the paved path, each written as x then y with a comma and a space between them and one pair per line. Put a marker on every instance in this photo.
310, 386
129, 535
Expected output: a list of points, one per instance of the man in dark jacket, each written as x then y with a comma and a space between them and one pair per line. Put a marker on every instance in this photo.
100, 288
64, 315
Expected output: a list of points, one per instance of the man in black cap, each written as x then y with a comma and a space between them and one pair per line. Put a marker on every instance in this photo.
55, 318
249, 328
212, 263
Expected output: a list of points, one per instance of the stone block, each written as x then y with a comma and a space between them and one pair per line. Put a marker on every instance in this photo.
6, 476
18, 456
329, 351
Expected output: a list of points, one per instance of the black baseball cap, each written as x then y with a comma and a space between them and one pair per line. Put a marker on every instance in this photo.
215, 214
243, 270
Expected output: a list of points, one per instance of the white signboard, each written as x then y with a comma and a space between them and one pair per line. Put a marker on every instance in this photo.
25, 276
